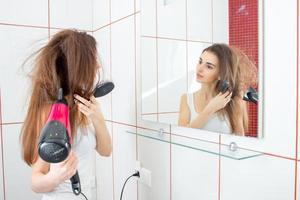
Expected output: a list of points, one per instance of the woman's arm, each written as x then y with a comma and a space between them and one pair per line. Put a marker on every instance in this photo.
92, 110
184, 115
184, 112
45, 177
40, 180
215, 104
103, 146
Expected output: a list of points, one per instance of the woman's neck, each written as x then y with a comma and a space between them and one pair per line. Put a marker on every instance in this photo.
208, 90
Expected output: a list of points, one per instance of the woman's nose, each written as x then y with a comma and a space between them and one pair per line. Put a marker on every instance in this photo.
200, 68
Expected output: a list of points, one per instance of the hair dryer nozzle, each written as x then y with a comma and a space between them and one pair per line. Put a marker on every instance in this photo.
54, 143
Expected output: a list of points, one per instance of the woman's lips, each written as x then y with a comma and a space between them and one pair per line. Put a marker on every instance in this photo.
199, 76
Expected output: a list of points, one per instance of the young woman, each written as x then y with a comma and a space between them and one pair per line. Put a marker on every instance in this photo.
210, 109
69, 60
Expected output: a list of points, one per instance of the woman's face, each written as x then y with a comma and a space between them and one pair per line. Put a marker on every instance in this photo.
207, 70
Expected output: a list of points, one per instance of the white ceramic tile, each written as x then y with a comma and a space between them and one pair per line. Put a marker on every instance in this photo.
124, 153
13, 163
148, 17
199, 20
155, 156
172, 67
123, 71
1, 169
103, 45
150, 117
279, 128
194, 174
202, 135
220, 23
121, 8
171, 19
32, 12
262, 177
194, 52
101, 12
168, 118
138, 5
148, 75
104, 174
71, 14
17, 44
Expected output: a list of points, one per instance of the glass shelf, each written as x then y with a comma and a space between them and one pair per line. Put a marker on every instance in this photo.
198, 144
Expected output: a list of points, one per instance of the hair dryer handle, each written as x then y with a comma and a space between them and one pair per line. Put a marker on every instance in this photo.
75, 182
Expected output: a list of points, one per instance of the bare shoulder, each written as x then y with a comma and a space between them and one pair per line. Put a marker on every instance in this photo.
184, 97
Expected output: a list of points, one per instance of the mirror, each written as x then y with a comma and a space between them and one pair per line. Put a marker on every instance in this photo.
185, 45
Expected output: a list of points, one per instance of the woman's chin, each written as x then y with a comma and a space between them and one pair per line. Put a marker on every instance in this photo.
199, 81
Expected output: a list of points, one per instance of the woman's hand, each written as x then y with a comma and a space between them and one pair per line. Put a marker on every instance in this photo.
90, 108
64, 170
218, 102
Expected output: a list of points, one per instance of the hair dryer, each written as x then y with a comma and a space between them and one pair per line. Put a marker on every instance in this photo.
251, 95
55, 139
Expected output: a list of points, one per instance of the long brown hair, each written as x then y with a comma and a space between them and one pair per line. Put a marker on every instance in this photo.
68, 60
237, 69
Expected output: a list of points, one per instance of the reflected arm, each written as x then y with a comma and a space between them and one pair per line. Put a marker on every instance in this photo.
185, 115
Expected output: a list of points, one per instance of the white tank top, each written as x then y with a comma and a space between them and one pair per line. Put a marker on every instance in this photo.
216, 123
84, 148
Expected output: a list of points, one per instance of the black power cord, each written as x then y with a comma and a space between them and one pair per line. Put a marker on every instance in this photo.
135, 174
84, 196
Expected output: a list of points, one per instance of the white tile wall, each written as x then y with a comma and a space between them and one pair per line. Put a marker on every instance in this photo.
172, 81
260, 177
101, 13
155, 156
149, 72
31, 12
148, 19
17, 175
71, 14
121, 8
17, 43
123, 71
220, 22
199, 17
1, 168
124, 157
171, 19
194, 176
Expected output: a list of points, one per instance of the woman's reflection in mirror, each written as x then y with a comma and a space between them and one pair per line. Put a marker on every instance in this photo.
224, 73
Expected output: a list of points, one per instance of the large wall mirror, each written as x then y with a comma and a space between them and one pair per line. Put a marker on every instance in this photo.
202, 64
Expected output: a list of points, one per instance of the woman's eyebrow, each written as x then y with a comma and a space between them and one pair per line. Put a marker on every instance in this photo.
210, 63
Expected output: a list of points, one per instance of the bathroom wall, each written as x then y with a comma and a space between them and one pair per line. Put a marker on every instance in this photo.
177, 172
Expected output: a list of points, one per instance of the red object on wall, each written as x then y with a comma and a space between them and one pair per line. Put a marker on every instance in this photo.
243, 34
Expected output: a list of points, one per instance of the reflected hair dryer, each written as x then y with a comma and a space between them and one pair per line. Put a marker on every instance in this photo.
56, 139
251, 95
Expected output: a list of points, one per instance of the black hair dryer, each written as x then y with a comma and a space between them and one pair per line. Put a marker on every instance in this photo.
251, 95
56, 139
